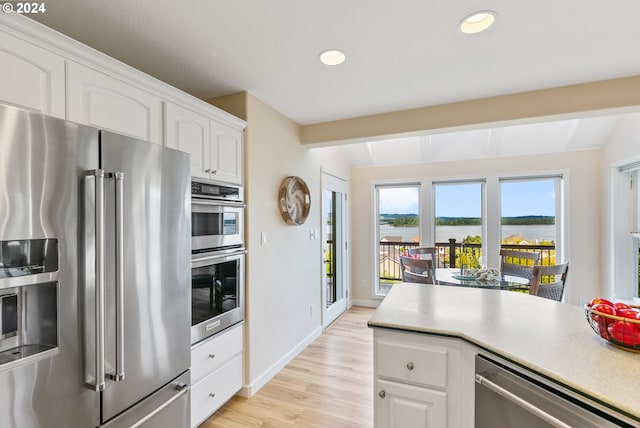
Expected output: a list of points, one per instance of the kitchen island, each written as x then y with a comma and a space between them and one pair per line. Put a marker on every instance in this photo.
548, 338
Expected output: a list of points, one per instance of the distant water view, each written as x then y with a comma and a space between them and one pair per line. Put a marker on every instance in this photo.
531, 233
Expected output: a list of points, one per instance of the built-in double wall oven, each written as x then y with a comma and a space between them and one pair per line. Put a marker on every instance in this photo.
217, 257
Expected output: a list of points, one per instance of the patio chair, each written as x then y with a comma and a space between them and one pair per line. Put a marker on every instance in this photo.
416, 270
553, 289
513, 268
430, 253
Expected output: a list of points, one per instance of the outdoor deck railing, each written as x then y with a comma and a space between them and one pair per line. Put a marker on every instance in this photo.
390, 253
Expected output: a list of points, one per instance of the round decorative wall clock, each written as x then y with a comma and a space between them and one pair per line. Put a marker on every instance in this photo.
295, 200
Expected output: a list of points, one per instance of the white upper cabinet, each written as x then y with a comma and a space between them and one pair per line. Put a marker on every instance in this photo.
32, 78
216, 148
102, 101
226, 153
188, 131
46, 72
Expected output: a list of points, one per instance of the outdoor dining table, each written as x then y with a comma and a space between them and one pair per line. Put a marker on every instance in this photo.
451, 276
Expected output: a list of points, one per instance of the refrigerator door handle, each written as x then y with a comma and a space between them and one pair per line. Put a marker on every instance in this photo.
182, 389
119, 275
98, 381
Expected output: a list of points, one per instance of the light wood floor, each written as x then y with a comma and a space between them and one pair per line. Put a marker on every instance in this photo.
329, 384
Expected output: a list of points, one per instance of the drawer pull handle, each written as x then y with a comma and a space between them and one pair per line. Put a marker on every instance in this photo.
382, 394
410, 365
212, 395
212, 355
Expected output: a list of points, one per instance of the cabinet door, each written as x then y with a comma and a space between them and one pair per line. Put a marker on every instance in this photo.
188, 131
226, 153
105, 102
407, 406
32, 78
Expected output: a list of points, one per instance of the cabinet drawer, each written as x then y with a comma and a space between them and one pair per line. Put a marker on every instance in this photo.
412, 363
211, 353
213, 391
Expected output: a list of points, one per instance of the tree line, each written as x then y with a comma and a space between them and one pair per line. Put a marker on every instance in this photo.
409, 220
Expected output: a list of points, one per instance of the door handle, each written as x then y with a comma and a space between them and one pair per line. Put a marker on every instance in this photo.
119, 275
97, 382
182, 390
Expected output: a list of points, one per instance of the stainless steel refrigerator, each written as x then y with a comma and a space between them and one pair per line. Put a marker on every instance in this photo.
94, 277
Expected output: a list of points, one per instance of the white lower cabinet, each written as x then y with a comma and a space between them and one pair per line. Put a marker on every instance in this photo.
216, 372
422, 381
408, 406
209, 394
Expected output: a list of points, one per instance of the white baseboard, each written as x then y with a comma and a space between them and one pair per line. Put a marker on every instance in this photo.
250, 390
366, 303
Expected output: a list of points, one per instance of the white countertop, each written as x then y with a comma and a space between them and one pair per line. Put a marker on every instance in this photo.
551, 338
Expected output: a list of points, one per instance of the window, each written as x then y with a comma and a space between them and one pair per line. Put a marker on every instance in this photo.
398, 227
474, 216
529, 210
458, 220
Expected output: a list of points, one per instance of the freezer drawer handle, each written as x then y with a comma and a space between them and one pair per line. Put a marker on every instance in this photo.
520, 402
181, 387
119, 201
99, 381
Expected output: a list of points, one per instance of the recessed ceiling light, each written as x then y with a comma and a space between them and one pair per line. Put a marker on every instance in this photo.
332, 57
477, 22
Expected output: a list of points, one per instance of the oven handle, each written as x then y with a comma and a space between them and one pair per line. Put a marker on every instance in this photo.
219, 203
520, 402
217, 255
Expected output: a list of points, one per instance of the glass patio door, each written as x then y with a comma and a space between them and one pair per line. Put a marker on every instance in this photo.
334, 288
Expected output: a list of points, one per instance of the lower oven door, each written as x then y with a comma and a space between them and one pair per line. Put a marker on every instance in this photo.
217, 292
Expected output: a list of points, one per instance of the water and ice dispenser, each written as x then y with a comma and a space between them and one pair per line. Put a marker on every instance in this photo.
28, 301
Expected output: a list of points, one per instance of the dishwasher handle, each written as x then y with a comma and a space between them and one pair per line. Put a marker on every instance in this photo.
520, 402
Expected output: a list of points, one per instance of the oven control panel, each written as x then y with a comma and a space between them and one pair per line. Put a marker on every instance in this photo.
200, 189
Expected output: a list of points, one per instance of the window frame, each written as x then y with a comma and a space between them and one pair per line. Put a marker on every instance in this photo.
483, 206
375, 289
491, 212
559, 186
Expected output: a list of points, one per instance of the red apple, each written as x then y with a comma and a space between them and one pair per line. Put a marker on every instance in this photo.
599, 300
625, 333
600, 320
626, 313
621, 305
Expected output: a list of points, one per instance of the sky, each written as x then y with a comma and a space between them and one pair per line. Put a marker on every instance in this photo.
520, 198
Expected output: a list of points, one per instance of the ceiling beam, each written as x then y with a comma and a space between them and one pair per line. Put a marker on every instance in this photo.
566, 102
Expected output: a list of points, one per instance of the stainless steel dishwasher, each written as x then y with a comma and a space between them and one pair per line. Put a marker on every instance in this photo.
510, 397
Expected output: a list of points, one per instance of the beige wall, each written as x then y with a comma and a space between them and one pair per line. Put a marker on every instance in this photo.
284, 276
622, 147
584, 220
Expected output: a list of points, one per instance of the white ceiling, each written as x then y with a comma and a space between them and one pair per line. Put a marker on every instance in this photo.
401, 54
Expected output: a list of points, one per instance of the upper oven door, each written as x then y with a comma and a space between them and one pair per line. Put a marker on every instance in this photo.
216, 224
